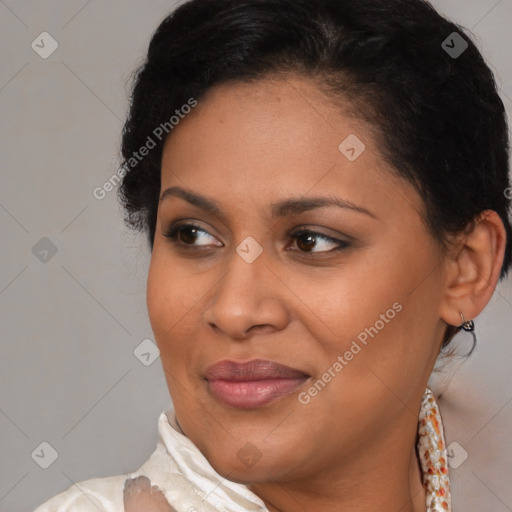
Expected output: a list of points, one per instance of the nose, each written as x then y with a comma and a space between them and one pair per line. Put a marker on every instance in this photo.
249, 298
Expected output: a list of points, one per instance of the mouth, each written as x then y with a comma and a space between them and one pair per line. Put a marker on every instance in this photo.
253, 383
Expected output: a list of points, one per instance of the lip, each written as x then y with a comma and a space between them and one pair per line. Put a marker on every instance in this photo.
252, 383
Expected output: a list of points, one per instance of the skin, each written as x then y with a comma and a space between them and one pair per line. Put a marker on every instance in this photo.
352, 447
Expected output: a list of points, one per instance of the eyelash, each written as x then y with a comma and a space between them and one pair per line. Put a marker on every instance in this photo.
173, 232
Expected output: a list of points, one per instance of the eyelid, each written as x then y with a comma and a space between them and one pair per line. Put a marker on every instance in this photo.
307, 228
175, 228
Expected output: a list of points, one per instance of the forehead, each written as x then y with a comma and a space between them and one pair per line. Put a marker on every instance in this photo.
276, 137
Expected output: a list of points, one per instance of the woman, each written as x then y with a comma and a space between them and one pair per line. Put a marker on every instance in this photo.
324, 187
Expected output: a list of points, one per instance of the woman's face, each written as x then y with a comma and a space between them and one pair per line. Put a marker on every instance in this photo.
347, 295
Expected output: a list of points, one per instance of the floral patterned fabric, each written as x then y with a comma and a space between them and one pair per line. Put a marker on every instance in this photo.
433, 456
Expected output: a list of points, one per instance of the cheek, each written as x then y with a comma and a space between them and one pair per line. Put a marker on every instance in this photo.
169, 296
167, 303
338, 307
378, 301
174, 305
158, 295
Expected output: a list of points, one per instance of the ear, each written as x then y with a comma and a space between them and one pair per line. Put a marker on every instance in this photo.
473, 269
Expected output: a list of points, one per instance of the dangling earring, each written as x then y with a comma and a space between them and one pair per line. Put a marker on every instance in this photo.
468, 326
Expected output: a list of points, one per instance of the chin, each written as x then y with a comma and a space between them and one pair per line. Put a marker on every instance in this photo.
246, 463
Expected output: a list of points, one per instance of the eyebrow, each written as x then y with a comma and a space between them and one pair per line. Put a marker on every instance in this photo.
279, 209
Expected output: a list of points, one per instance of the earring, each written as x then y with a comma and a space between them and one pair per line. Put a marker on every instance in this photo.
468, 326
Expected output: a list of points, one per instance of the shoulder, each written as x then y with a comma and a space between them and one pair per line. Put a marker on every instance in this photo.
96, 494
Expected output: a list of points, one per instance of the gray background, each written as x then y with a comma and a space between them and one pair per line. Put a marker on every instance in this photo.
70, 325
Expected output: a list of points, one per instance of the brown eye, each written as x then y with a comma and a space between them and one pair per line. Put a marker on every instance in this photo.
187, 235
307, 240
